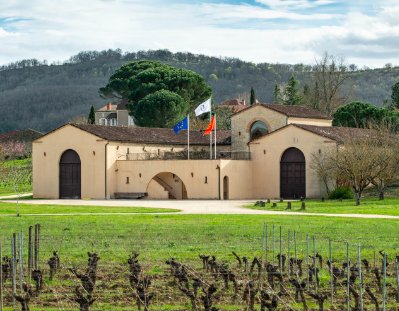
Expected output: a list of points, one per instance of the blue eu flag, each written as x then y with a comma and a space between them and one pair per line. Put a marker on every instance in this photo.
182, 125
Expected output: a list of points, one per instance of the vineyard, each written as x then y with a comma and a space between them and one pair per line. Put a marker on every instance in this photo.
278, 269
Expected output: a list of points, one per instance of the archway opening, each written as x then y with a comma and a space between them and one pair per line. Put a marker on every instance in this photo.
293, 174
166, 185
70, 175
225, 188
258, 129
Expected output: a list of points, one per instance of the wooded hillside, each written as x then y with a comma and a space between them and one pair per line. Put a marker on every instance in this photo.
37, 95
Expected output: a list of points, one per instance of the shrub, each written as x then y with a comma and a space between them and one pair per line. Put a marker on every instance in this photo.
341, 193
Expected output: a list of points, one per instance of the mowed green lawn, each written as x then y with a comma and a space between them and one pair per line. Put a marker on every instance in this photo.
158, 237
24, 208
368, 206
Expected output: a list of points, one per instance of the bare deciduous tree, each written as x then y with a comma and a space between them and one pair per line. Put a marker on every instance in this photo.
329, 75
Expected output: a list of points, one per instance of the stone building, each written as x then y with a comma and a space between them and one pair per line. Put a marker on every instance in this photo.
266, 154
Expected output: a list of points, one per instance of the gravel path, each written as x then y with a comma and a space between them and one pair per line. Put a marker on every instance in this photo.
187, 207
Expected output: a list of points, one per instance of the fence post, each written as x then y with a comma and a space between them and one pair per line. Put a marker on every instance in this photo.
384, 289
13, 268
359, 263
30, 258
21, 262
314, 264
267, 242
348, 298
289, 252
273, 245
331, 272
281, 252
1, 276
307, 261
262, 243
397, 279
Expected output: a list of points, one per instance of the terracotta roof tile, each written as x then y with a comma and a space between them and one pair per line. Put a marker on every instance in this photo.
152, 135
339, 134
294, 111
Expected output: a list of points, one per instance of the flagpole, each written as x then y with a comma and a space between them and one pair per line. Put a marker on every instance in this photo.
215, 135
210, 136
188, 137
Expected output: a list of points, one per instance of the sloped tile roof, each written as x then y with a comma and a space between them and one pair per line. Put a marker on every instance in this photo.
339, 134
294, 111
148, 135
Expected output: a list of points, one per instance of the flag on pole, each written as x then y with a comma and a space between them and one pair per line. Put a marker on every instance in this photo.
182, 125
204, 107
211, 126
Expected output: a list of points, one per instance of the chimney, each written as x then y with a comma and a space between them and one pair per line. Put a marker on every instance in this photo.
109, 106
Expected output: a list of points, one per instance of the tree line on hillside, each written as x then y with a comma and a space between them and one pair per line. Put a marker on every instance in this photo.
42, 96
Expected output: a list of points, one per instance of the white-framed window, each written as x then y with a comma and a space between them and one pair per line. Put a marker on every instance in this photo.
130, 121
103, 121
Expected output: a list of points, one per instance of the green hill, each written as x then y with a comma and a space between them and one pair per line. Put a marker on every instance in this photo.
37, 95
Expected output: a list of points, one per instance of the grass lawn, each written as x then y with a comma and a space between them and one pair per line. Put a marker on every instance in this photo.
25, 208
159, 237
368, 206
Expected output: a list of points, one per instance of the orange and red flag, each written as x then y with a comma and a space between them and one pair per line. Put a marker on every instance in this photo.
211, 126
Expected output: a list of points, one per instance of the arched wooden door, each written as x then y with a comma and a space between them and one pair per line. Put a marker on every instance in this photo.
70, 181
292, 174
225, 188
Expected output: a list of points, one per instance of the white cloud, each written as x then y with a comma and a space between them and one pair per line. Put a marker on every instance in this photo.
294, 4
45, 29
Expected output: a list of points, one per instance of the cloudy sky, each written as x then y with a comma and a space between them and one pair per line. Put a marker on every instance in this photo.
365, 32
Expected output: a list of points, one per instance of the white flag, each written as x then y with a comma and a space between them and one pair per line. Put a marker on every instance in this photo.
204, 107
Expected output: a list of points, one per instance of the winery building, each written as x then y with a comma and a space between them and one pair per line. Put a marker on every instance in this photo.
267, 154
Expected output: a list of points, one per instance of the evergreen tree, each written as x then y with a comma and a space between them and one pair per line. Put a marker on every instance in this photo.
252, 98
276, 93
291, 92
91, 119
395, 95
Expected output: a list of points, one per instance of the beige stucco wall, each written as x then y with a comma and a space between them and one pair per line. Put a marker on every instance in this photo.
310, 121
192, 173
266, 155
241, 124
46, 154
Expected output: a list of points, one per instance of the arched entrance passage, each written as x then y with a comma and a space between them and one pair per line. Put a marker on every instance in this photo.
166, 185
70, 181
292, 174
225, 188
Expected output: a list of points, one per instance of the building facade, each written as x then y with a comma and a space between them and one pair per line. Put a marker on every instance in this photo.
113, 115
267, 154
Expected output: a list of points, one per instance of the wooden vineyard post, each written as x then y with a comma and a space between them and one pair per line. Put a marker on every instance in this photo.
267, 242
307, 261
30, 251
273, 244
289, 252
295, 252
314, 264
13, 268
397, 279
1, 276
384, 289
331, 272
20, 259
348, 299
281, 255
262, 243
359, 264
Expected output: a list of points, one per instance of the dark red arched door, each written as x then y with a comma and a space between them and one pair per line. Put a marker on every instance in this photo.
292, 174
70, 175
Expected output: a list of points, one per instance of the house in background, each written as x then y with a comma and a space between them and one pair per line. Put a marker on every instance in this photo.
114, 115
